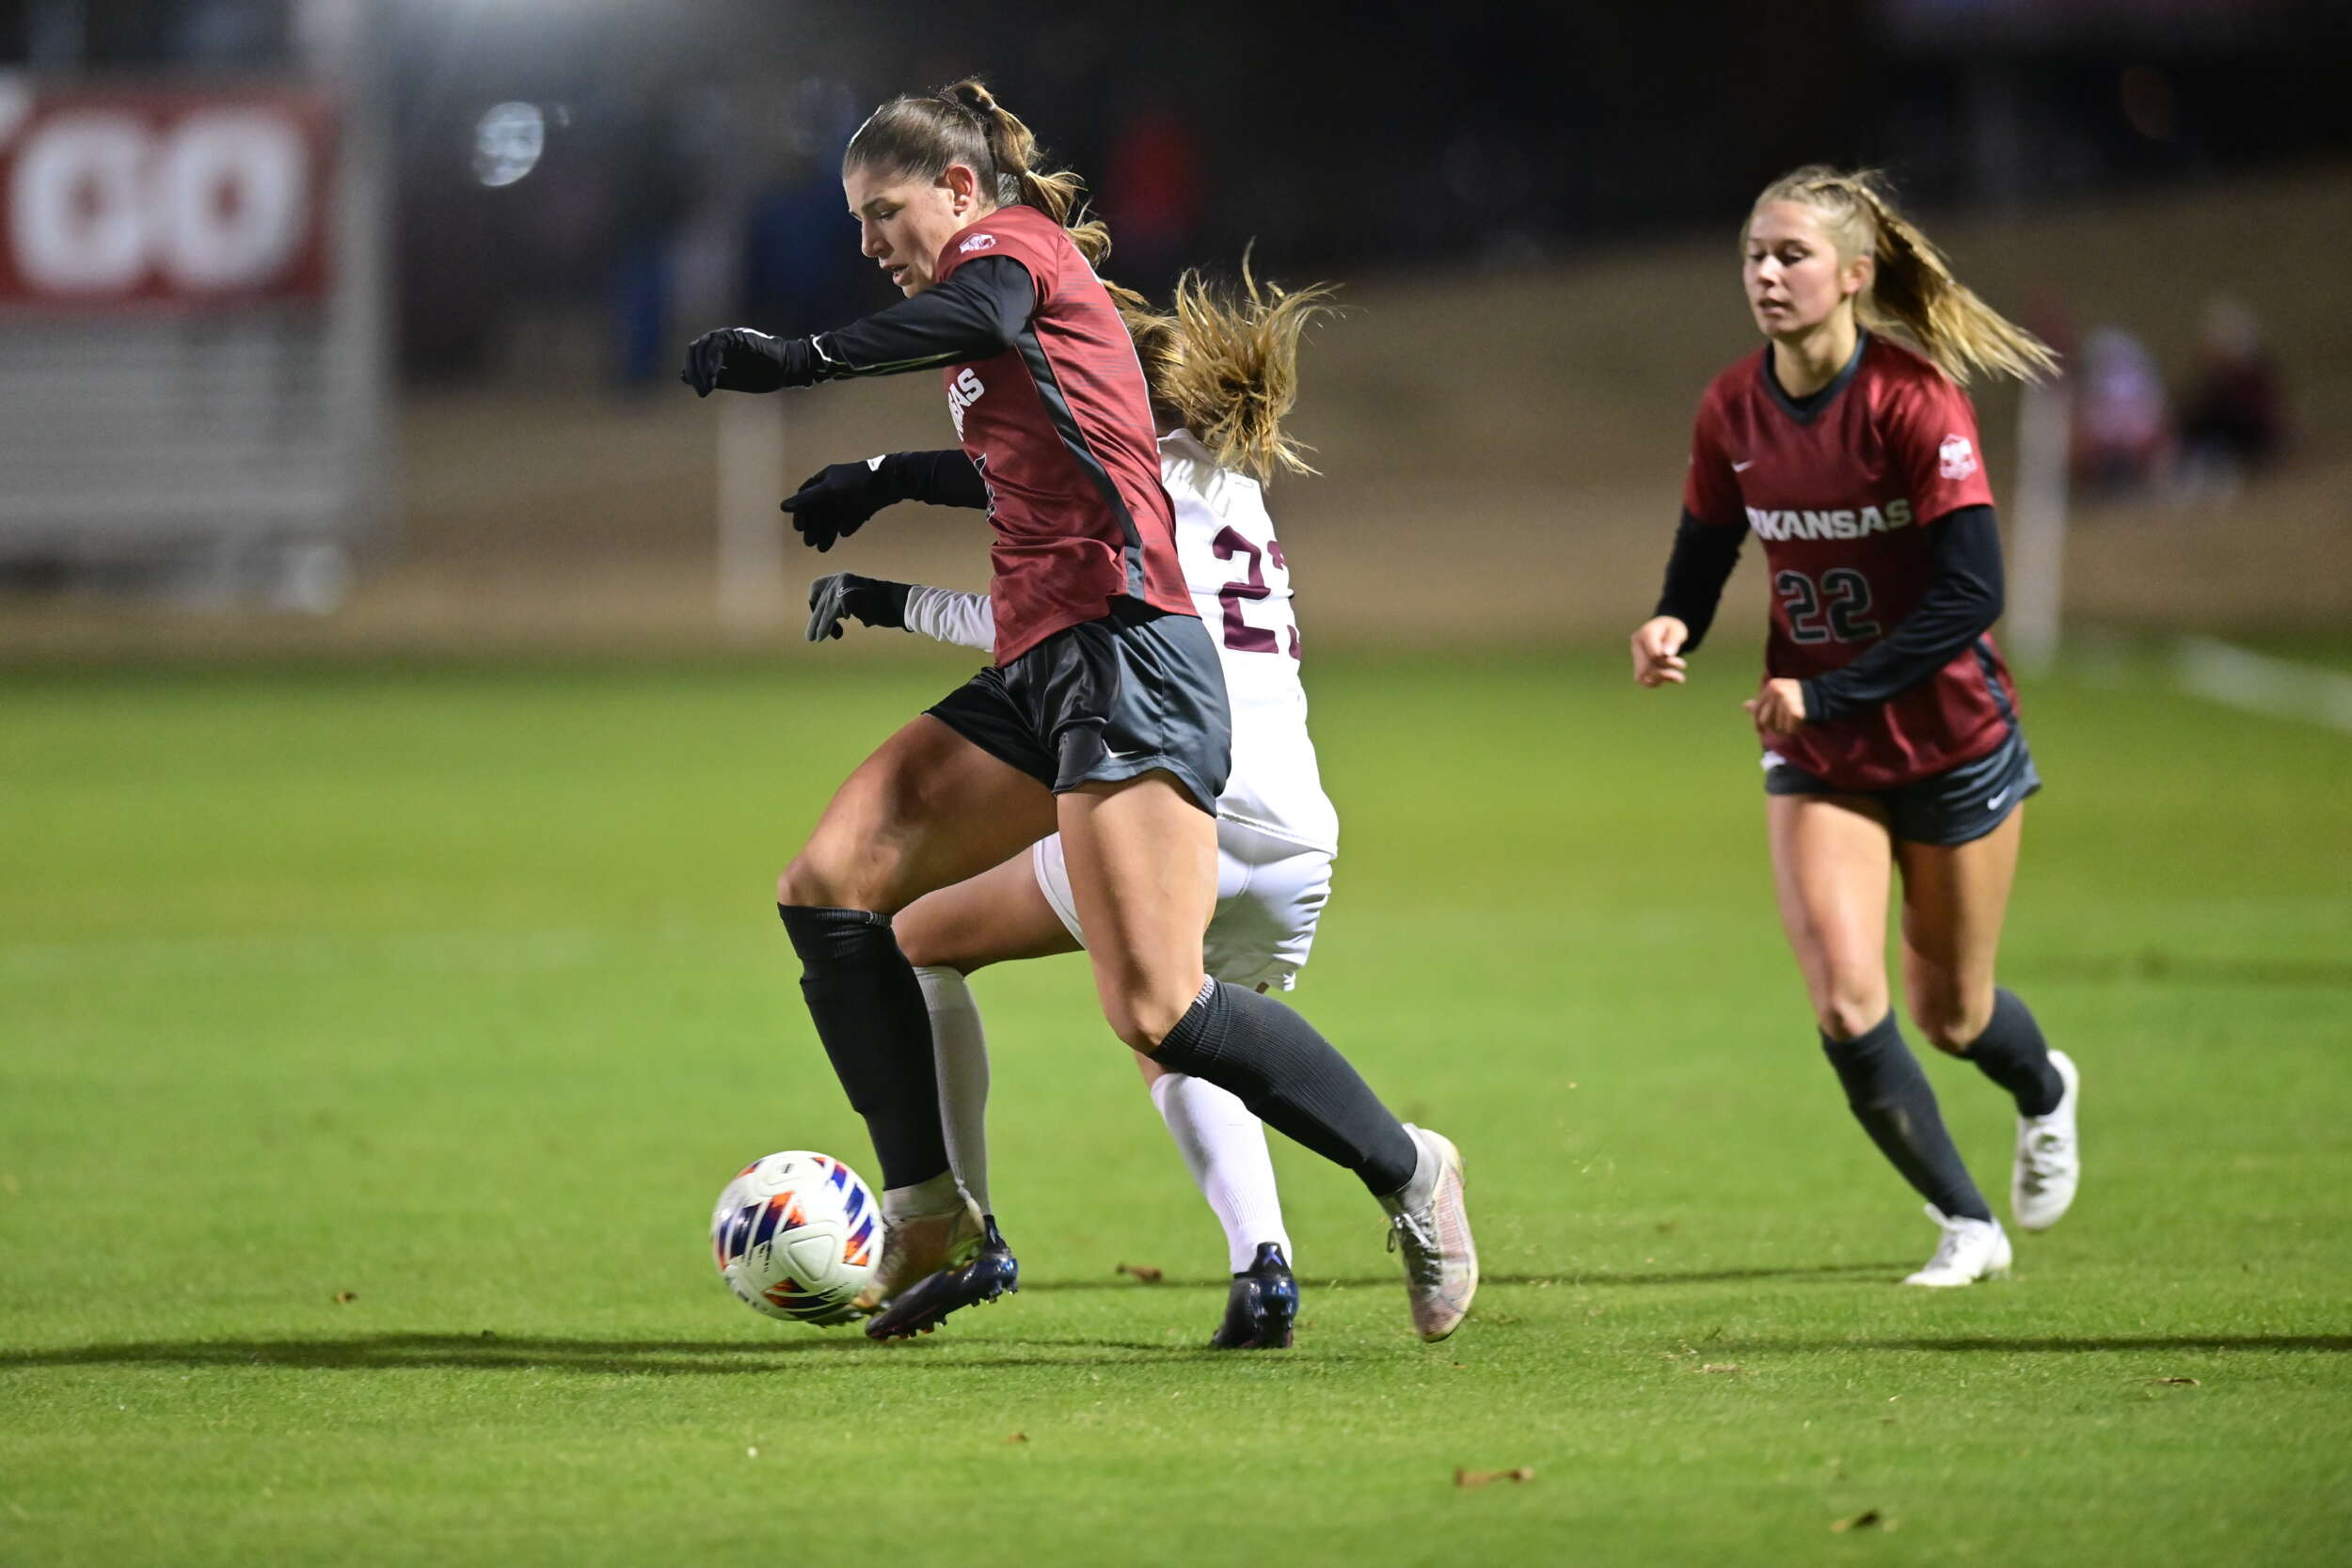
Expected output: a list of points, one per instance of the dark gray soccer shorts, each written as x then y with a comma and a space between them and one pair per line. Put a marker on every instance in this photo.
1955, 807
1137, 691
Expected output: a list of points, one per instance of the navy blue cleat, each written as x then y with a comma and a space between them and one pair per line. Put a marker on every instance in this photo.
926, 1303
1260, 1305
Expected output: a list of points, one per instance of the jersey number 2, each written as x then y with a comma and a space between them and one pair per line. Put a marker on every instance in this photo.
1835, 609
1240, 635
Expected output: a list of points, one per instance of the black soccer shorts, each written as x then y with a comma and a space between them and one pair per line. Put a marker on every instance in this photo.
1138, 691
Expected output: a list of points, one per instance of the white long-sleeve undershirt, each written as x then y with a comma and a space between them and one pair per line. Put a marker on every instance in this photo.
950, 616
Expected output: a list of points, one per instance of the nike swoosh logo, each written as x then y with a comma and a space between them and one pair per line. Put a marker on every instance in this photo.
1744, 468
1994, 803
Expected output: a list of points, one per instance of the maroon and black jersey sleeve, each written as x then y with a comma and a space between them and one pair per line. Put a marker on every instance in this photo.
1059, 424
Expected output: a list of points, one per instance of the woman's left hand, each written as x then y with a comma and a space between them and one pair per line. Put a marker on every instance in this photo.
1778, 706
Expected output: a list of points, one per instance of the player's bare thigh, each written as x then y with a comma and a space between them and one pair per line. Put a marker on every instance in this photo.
1831, 863
1142, 861
927, 810
1955, 899
995, 917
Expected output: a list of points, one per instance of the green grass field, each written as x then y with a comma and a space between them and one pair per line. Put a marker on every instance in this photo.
374, 1043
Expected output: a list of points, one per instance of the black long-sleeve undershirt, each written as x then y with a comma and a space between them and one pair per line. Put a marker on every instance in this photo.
940, 478
1962, 602
977, 313
1703, 555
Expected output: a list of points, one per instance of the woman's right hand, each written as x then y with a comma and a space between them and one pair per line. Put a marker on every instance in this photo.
834, 502
735, 359
1658, 651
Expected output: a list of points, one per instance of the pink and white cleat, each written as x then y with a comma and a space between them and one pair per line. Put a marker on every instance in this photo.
1429, 1222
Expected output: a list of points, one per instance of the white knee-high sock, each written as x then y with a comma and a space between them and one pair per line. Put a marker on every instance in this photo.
1224, 1148
959, 1047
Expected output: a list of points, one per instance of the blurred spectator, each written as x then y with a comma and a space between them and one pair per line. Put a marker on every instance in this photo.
1151, 195
229, 32
2231, 415
654, 185
802, 271
2123, 439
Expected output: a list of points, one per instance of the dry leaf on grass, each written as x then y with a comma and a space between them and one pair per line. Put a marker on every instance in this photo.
1468, 1479
1869, 1518
345, 1297
2173, 1381
1018, 1437
1145, 1273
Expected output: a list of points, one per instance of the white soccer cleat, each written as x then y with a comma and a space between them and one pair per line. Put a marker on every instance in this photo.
1971, 1250
2049, 1157
1429, 1222
918, 1246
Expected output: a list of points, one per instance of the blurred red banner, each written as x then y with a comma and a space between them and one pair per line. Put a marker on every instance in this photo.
155, 195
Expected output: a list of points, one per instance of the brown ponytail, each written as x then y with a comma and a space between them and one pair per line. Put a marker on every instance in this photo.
919, 136
1225, 363
1913, 287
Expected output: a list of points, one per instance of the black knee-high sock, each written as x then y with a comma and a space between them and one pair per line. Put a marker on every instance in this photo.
1891, 1097
869, 1012
1292, 1080
2013, 1054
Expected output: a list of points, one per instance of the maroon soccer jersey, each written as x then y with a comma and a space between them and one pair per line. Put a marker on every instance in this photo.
1060, 427
1843, 493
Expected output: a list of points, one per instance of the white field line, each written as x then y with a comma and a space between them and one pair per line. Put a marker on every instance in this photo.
2241, 678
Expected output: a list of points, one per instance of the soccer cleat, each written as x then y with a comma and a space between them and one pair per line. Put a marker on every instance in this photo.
1259, 1304
2049, 1157
1970, 1250
1429, 1222
989, 1273
920, 1246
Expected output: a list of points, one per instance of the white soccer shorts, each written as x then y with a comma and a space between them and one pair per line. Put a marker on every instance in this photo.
1270, 892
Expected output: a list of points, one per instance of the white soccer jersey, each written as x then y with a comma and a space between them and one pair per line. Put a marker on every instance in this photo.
1241, 585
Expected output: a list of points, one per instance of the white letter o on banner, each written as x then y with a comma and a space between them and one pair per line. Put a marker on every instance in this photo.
230, 200
74, 208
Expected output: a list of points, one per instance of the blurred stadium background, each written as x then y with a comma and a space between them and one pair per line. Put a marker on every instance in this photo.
336, 326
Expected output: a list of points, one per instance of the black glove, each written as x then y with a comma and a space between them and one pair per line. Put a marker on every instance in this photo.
834, 502
739, 359
869, 601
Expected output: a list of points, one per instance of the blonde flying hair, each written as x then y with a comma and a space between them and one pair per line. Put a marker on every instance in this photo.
1913, 287
1224, 362
919, 136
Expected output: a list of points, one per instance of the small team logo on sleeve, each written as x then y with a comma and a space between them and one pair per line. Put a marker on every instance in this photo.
1957, 456
979, 242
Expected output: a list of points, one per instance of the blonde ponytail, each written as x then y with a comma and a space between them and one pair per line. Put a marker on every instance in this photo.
1225, 363
1913, 287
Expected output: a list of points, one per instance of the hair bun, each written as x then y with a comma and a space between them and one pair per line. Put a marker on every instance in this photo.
973, 96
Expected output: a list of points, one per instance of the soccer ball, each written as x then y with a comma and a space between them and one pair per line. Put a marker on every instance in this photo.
795, 1236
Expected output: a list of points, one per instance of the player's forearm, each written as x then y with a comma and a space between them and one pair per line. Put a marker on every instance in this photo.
939, 478
948, 616
977, 314
1704, 556
1960, 606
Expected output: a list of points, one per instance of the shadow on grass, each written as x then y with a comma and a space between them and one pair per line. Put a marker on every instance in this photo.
1822, 1274
738, 1357
606, 1357
2333, 1345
